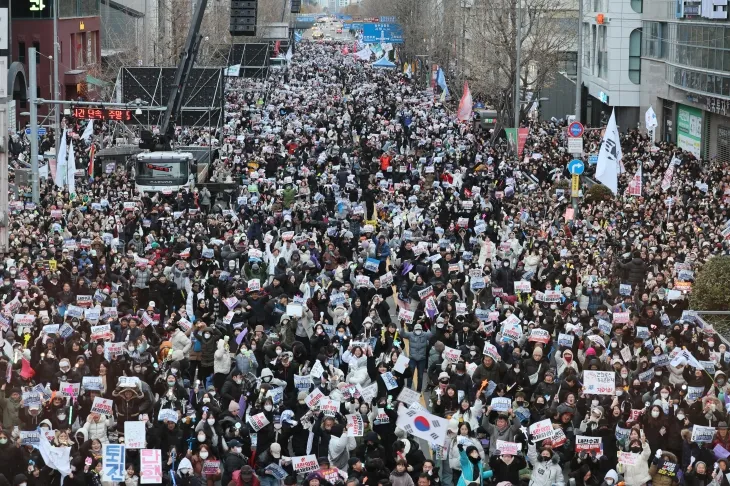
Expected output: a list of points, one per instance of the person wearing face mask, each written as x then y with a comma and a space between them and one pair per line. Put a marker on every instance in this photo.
208, 337
637, 474
185, 474
233, 460
546, 470
232, 388
418, 341
11, 462
203, 454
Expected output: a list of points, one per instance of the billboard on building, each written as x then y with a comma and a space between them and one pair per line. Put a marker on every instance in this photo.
689, 129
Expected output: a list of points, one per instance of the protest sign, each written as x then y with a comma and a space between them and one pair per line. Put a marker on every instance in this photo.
258, 421
408, 396
620, 317
101, 332
405, 315
587, 443
539, 336
501, 404
452, 355
150, 466
389, 380
213, 468
628, 458
113, 459
565, 340
369, 392
702, 434
329, 407
599, 382
541, 430
167, 414
278, 471
695, 392
401, 364
313, 398
30, 437
523, 286
102, 406
302, 382
31, 399
134, 434
355, 425
304, 464
510, 448
668, 468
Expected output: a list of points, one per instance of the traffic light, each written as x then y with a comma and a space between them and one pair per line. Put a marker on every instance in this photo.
296, 6
243, 17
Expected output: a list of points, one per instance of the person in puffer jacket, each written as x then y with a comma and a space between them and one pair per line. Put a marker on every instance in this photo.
546, 470
502, 430
638, 474
418, 350
96, 427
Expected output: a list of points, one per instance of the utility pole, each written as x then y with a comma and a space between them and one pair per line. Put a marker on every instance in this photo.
32, 95
518, 55
56, 92
579, 64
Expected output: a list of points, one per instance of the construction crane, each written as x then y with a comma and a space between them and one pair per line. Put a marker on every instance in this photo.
161, 169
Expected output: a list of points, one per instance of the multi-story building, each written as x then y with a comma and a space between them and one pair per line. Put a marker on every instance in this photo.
79, 45
685, 69
611, 64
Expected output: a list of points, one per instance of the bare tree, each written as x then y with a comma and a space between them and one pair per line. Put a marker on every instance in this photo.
491, 60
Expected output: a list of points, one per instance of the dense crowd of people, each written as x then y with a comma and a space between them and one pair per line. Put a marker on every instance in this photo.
383, 274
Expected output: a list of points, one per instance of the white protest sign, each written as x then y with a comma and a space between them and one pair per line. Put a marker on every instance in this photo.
501, 404
703, 434
134, 434
402, 363
506, 447
304, 464
355, 425
452, 355
599, 382
329, 407
541, 430
102, 406
408, 396
313, 398
258, 421
389, 380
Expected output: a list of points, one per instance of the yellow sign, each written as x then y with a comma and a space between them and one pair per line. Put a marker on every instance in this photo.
52, 265
82, 26
575, 186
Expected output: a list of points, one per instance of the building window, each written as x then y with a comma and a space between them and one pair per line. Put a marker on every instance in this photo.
635, 56
568, 63
653, 36
21, 52
637, 6
602, 49
37, 45
594, 49
587, 45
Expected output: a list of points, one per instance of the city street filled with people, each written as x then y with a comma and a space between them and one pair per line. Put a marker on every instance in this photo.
389, 297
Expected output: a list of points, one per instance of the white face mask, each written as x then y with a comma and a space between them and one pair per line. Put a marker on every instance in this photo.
268, 408
201, 437
655, 413
203, 454
206, 400
680, 416
665, 395
211, 421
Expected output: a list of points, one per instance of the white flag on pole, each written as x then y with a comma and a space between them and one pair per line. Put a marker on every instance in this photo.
71, 174
289, 55
61, 161
650, 119
609, 157
88, 131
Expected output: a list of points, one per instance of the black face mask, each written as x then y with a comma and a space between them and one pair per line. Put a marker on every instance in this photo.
636, 450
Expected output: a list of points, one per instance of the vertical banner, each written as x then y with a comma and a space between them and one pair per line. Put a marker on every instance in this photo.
150, 466
113, 460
